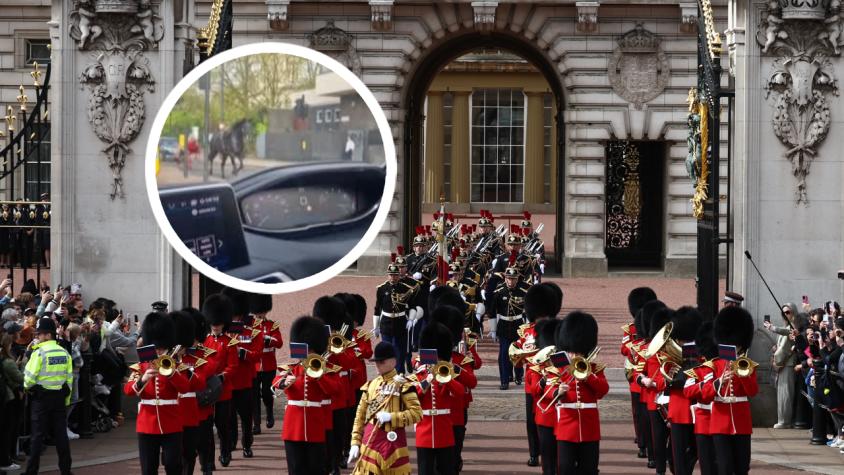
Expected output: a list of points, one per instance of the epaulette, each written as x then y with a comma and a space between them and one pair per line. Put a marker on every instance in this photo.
709, 364
626, 328
598, 367
257, 322
135, 368
234, 342
412, 378
275, 326
333, 368
255, 332
199, 362
365, 386
467, 359
364, 335
208, 351
690, 373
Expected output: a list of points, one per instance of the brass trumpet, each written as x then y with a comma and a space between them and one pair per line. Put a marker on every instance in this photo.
443, 372
580, 368
166, 364
337, 342
743, 366
314, 366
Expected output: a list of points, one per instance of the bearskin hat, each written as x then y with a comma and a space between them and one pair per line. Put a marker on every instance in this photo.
330, 310
659, 319
312, 331
439, 292
643, 324
686, 322
240, 301
638, 297
452, 318
259, 303
200, 326
436, 335
577, 333
558, 296
452, 299
540, 301
546, 332
158, 330
185, 328
360, 309
705, 342
734, 326
218, 309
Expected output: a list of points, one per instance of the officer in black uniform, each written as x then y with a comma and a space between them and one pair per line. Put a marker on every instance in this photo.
533, 242
524, 265
394, 314
506, 307
420, 265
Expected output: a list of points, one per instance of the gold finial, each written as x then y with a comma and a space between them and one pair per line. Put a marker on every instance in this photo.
691, 100
22, 99
10, 118
442, 197
36, 74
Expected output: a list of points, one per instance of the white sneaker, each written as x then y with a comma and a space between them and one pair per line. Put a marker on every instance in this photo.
72, 435
837, 443
10, 468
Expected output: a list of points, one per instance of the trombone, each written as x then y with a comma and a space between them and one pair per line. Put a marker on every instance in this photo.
315, 366
444, 372
580, 368
743, 366
166, 363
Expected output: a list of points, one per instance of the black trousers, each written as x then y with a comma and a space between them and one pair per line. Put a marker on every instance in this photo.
643, 420
190, 444
706, 454
262, 391
242, 409
548, 450
305, 458
350, 413
150, 448
330, 457
634, 408
436, 461
575, 458
683, 448
13, 424
205, 444
659, 434
732, 454
48, 418
459, 438
530, 424
340, 431
222, 420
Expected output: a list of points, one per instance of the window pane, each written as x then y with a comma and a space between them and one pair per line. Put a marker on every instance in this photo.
518, 116
491, 136
504, 174
490, 155
490, 117
504, 135
476, 193
492, 98
518, 136
477, 174
517, 194
489, 174
477, 136
517, 174
518, 154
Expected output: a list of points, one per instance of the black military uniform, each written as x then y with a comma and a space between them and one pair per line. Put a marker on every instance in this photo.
524, 265
506, 307
393, 301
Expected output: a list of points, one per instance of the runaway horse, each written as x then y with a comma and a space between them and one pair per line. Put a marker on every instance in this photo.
229, 144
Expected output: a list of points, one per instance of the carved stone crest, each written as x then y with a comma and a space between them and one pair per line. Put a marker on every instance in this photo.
117, 32
638, 69
802, 36
338, 44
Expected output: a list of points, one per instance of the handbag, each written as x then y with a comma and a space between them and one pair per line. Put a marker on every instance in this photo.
211, 393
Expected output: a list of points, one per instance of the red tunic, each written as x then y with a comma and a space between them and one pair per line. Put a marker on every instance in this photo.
469, 381
533, 380
581, 424
363, 351
702, 408
528, 338
648, 395
477, 363
271, 336
304, 416
158, 410
348, 361
226, 360
210, 367
628, 340
249, 340
435, 430
188, 405
679, 406
730, 416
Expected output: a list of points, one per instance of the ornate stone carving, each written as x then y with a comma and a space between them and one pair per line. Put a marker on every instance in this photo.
382, 14
338, 44
638, 69
802, 36
277, 14
587, 16
117, 32
688, 17
485, 14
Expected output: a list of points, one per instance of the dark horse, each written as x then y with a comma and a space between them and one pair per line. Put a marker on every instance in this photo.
229, 144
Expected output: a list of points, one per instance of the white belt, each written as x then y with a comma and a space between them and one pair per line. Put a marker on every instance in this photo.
392, 315
578, 405
435, 412
160, 402
183, 395
325, 402
269, 350
662, 399
510, 319
344, 373
730, 399
304, 403
705, 407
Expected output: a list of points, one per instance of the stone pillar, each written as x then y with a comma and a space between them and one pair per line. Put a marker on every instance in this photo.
534, 150
554, 164
104, 234
433, 181
460, 153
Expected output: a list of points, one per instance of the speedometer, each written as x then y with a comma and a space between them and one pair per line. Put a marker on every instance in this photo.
296, 207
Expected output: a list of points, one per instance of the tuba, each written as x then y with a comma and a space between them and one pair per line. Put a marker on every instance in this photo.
669, 353
444, 372
518, 355
743, 366
166, 364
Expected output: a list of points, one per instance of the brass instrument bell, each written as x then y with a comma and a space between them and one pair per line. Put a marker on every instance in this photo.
314, 366
444, 372
743, 366
669, 353
517, 355
580, 368
166, 364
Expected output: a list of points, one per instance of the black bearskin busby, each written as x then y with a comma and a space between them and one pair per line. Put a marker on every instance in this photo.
452, 299
734, 326
659, 319
452, 318
158, 330
645, 315
185, 328
435, 335
360, 314
577, 333
705, 341
546, 332
312, 331
260, 303
240, 301
558, 296
540, 302
686, 321
218, 309
438, 293
200, 326
637, 298
330, 310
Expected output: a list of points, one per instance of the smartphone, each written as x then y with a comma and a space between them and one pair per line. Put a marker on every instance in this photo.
136, 318
767, 318
841, 274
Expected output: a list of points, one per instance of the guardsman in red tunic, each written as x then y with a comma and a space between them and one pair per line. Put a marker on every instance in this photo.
672, 378
697, 377
636, 299
730, 389
205, 431
538, 373
578, 428
159, 424
305, 420
654, 316
259, 306
439, 395
218, 310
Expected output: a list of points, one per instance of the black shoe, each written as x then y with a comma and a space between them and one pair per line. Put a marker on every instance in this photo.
642, 454
344, 462
256, 430
225, 460
207, 472
651, 464
247, 453
504, 386
270, 421
518, 381
533, 462
801, 425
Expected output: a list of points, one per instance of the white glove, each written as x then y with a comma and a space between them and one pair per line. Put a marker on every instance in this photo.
417, 275
376, 319
433, 286
419, 312
383, 417
494, 261
409, 324
414, 323
411, 314
492, 334
354, 453
542, 268
480, 309
483, 294
376, 332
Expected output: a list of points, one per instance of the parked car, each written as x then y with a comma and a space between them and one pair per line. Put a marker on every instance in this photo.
168, 148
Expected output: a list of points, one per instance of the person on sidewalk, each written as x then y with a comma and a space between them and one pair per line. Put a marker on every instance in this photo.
389, 404
48, 377
783, 364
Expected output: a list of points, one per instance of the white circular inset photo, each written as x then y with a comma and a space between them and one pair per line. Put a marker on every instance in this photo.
270, 168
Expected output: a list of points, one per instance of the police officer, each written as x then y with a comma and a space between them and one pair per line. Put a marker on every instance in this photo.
48, 377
